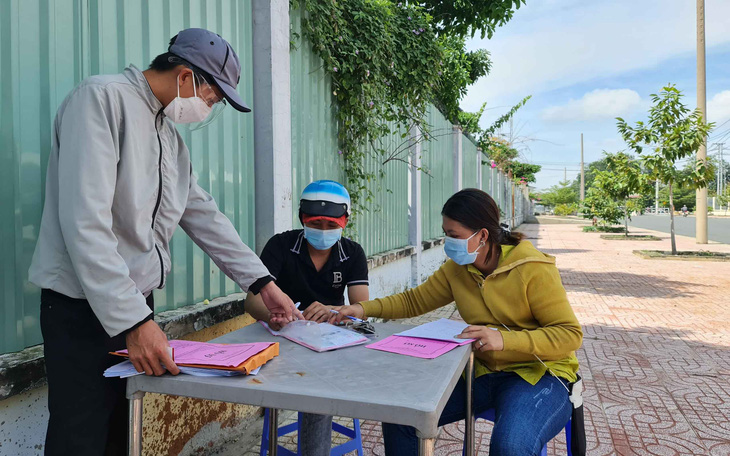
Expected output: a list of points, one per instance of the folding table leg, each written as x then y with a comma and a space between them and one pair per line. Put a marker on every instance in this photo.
273, 431
469, 421
134, 440
426, 447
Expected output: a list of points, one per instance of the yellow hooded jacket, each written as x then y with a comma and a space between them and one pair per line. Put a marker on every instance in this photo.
524, 293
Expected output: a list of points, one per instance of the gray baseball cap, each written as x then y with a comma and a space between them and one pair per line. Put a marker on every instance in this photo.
212, 54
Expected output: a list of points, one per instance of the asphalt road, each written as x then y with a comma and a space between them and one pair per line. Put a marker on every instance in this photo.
718, 229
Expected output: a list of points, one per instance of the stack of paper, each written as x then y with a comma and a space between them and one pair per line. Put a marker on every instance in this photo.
426, 341
319, 337
122, 370
243, 358
126, 369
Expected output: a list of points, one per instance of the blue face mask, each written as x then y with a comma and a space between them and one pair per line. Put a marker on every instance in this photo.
458, 250
322, 239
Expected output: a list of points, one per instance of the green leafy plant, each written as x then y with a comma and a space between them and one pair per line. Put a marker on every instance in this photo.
523, 173
603, 229
612, 190
562, 193
459, 69
601, 206
388, 61
725, 197
378, 92
565, 209
672, 132
463, 17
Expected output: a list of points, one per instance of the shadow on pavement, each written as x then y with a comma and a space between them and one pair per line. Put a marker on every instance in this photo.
562, 251
625, 284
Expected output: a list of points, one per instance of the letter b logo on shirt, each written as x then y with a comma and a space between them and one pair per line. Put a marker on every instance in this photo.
338, 277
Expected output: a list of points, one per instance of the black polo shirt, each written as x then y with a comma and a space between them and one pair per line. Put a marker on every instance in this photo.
286, 255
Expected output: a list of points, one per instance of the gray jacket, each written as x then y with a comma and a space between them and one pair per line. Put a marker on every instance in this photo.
119, 182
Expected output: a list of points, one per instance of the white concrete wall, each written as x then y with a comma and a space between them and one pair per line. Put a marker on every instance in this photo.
431, 260
395, 277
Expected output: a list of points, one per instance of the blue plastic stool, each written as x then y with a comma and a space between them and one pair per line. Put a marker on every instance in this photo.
489, 416
354, 434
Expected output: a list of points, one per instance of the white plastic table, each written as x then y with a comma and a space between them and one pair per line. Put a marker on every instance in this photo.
355, 382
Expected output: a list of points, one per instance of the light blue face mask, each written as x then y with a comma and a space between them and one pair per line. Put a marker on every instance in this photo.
458, 250
322, 239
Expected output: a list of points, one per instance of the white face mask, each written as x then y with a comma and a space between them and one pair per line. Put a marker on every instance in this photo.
187, 110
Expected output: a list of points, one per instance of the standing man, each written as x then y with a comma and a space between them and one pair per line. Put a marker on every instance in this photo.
119, 182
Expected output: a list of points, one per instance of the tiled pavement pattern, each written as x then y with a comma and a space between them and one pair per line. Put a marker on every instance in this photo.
656, 350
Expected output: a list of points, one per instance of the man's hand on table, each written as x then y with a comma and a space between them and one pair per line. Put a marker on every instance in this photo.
318, 312
147, 346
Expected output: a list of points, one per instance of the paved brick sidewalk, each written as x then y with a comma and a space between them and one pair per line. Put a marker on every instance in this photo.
655, 355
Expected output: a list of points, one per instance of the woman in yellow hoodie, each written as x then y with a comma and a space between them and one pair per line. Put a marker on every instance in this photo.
526, 333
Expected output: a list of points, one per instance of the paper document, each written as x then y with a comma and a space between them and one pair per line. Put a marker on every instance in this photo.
215, 355
412, 346
122, 370
319, 337
442, 329
126, 369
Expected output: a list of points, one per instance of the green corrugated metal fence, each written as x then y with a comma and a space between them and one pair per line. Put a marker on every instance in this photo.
384, 224
438, 182
49, 46
315, 153
313, 123
486, 174
469, 152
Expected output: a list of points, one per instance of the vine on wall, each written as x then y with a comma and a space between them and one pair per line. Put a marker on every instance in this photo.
388, 61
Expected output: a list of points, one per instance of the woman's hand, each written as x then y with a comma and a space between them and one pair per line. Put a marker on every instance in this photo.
318, 312
353, 310
487, 339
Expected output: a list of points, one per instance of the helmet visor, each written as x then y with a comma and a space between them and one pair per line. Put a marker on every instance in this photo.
325, 208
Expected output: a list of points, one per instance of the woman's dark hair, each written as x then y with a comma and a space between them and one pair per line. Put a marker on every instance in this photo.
475, 209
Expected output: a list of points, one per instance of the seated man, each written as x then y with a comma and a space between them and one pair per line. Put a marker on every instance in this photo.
313, 266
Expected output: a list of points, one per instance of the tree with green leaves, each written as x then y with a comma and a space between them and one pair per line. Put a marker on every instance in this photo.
615, 186
671, 133
590, 173
725, 197
523, 173
562, 193
600, 205
469, 17
379, 92
459, 70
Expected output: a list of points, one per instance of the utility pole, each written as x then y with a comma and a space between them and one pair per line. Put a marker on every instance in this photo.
582, 172
701, 198
565, 174
721, 180
656, 198
718, 174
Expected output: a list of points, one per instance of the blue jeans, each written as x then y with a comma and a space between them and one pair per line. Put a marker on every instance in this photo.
526, 416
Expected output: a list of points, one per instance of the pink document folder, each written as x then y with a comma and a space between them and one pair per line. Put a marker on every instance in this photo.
213, 355
414, 346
